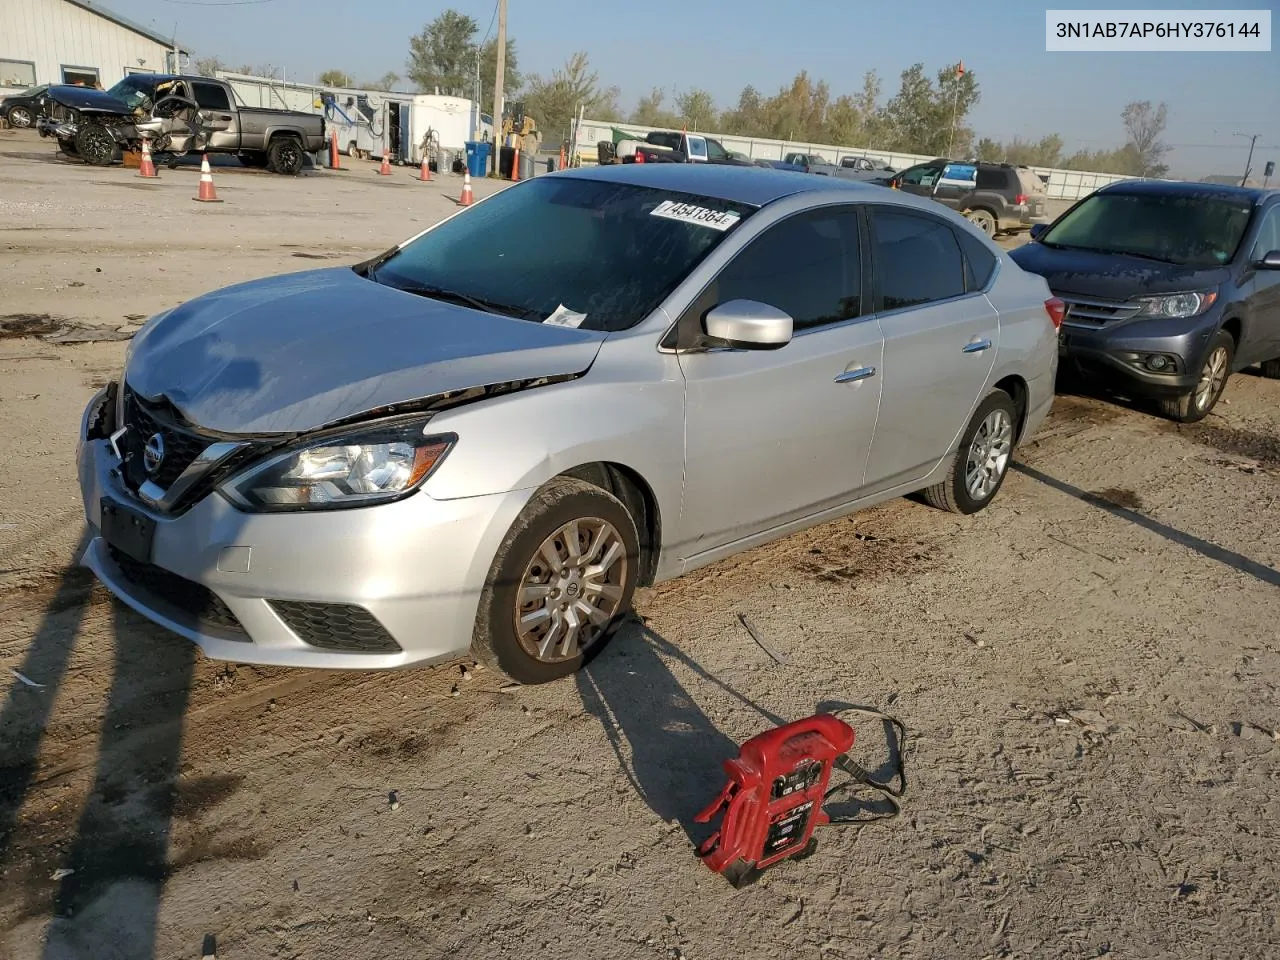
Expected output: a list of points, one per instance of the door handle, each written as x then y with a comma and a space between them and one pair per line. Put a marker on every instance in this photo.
861, 373
977, 346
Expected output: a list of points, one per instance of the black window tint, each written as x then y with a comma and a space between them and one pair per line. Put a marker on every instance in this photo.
979, 262
211, 97
917, 259
808, 265
992, 178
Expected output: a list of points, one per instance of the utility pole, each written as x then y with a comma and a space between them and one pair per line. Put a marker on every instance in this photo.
498, 80
1248, 164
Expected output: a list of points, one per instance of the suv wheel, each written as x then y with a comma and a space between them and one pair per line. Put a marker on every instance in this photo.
560, 584
284, 156
95, 144
984, 220
1196, 403
981, 461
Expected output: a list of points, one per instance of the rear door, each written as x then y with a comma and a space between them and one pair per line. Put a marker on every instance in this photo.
1263, 293
955, 184
776, 435
940, 340
217, 116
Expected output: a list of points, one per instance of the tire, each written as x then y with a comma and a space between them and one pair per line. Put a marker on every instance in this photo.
95, 145
353, 151
253, 159
984, 220
20, 118
68, 148
990, 435
1271, 369
1196, 404
285, 156
520, 564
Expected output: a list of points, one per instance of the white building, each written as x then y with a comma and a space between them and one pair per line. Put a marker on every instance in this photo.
77, 41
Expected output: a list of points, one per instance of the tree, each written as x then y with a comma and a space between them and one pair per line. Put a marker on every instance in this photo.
747, 118
442, 56
512, 79
649, 112
386, 82
697, 109
921, 119
209, 66
336, 78
554, 101
1144, 125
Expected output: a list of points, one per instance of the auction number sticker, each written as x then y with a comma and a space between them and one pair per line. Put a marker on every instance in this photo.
692, 213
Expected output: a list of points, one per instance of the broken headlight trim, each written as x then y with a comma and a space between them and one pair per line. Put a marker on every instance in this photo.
356, 469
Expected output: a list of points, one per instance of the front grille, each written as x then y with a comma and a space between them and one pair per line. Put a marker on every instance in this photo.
335, 626
181, 444
195, 605
1087, 312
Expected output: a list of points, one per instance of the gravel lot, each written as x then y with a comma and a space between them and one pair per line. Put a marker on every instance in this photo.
1088, 671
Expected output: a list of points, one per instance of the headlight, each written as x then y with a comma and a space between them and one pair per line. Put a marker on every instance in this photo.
1176, 306
349, 471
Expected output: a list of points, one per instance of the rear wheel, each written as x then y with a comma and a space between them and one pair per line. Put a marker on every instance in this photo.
982, 459
284, 156
559, 585
20, 117
1271, 369
984, 220
1195, 405
95, 144
68, 147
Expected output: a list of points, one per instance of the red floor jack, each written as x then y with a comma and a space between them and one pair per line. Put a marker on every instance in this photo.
777, 785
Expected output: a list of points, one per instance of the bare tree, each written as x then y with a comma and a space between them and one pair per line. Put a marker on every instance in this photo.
1145, 125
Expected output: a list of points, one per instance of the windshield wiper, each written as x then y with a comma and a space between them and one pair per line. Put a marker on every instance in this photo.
476, 303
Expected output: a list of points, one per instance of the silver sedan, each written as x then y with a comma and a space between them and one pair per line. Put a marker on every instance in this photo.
483, 440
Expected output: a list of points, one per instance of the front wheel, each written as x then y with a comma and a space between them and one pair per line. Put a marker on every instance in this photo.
1195, 405
20, 117
284, 156
559, 585
981, 461
95, 145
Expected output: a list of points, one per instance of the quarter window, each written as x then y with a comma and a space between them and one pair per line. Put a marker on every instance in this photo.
808, 265
917, 259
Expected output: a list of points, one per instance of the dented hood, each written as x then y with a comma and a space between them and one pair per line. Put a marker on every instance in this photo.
297, 352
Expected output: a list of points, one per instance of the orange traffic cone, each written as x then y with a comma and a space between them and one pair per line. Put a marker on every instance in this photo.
425, 173
207, 193
467, 198
335, 158
147, 167
515, 164
385, 169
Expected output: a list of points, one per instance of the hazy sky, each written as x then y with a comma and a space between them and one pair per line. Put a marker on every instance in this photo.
722, 46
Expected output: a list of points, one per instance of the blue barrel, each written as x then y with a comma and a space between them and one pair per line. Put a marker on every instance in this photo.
477, 157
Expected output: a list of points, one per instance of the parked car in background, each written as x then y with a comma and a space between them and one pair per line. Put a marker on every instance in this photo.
178, 114
21, 109
476, 443
664, 147
864, 164
1169, 287
995, 197
819, 166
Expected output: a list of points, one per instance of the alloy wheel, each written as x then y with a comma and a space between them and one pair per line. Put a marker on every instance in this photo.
1213, 376
989, 455
20, 117
571, 589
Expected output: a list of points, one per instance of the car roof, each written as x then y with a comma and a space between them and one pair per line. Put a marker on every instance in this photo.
752, 185
1187, 188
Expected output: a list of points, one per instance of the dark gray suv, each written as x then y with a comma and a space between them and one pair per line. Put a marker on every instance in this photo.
1169, 288
996, 197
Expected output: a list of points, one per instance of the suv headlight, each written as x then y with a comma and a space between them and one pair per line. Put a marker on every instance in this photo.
1176, 306
355, 470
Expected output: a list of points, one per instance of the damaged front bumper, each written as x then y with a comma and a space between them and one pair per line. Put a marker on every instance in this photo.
61, 129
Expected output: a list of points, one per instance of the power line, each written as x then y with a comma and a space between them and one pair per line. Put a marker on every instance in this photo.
491, 19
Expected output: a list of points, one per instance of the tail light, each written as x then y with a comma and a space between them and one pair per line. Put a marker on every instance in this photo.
1020, 199
1057, 311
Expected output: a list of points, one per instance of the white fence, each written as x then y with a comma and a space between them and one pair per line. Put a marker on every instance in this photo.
1061, 184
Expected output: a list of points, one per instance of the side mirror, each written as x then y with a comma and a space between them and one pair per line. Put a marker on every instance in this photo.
1038, 229
1270, 261
749, 325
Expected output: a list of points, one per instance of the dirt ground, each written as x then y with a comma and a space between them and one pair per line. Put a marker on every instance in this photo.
1087, 670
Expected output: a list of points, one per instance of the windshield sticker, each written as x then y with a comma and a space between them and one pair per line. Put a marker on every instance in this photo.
691, 213
562, 316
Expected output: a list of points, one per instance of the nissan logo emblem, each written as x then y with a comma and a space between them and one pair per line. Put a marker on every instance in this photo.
153, 453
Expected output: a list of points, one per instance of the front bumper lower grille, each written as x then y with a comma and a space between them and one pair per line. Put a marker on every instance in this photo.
335, 626
196, 605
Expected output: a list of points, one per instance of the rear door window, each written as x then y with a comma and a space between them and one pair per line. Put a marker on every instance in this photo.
979, 261
917, 259
210, 96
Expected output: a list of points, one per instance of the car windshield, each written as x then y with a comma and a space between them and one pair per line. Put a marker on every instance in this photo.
134, 90
563, 247
1186, 230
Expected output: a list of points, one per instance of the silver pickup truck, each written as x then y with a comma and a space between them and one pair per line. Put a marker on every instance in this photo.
178, 114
